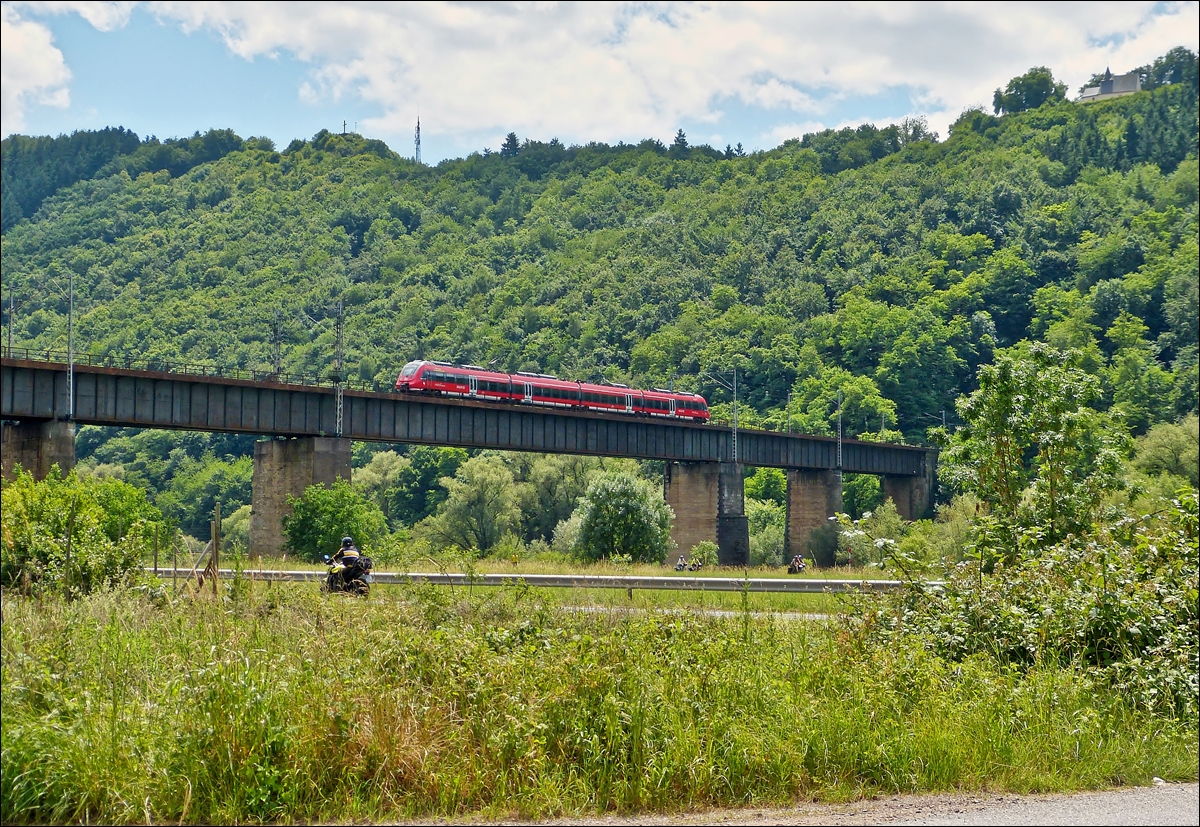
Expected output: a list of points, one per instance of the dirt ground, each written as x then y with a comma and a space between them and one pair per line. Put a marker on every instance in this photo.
883, 810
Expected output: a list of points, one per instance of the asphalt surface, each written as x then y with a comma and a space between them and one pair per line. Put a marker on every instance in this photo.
1166, 804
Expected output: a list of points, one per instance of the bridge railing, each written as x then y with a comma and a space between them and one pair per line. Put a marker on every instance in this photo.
185, 368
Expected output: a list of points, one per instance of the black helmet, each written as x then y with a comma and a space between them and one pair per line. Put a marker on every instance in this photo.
347, 541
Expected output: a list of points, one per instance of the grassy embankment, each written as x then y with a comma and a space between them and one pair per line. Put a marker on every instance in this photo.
274, 703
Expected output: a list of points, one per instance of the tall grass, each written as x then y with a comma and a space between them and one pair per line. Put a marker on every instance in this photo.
283, 705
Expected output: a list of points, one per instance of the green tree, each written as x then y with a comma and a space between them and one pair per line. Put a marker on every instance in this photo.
380, 476
511, 146
324, 515
622, 514
1141, 388
1029, 91
1171, 448
480, 506
417, 490
767, 484
1031, 448
70, 534
551, 490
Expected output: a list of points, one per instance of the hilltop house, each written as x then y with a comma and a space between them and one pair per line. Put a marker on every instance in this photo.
1113, 87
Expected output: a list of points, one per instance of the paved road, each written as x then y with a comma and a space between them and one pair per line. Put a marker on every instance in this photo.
1169, 804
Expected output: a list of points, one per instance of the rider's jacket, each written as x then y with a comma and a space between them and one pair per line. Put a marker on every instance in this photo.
348, 555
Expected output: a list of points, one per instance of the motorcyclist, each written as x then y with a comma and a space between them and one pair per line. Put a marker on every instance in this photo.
797, 565
681, 565
349, 556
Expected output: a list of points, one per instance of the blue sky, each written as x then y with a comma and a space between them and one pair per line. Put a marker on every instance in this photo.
623, 71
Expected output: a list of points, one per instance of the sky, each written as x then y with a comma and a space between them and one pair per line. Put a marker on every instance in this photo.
726, 73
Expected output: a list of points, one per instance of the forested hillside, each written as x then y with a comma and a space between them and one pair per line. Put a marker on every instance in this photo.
881, 262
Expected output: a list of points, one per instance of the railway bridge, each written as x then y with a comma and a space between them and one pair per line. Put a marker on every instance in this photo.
308, 426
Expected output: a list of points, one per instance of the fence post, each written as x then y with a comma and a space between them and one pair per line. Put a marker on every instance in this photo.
216, 549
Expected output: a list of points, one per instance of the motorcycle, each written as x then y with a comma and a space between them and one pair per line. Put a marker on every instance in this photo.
354, 579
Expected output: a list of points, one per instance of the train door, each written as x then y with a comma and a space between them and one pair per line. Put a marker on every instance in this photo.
528, 392
473, 384
671, 405
628, 403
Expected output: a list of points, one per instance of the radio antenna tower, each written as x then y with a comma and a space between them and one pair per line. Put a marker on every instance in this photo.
418, 138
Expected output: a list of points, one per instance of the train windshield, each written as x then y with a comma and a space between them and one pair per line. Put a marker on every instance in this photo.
410, 369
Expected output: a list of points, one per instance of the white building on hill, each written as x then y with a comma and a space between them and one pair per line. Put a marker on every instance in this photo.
1112, 87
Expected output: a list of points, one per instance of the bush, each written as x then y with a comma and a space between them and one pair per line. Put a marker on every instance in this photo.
1122, 604
72, 535
323, 516
621, 514
705, 552
766, 520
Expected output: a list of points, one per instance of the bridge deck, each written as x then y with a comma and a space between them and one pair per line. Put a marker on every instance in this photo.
37, 390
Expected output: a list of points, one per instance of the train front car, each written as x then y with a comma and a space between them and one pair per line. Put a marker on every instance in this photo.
409, 378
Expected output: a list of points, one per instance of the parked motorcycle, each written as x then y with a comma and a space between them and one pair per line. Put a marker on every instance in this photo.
354, 579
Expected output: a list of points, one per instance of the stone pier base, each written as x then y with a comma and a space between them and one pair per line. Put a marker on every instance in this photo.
284, 468
709, 505
812, 498
36, 447
913, 496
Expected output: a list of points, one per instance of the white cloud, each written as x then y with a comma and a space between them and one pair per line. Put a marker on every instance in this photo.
591, 71
31, 69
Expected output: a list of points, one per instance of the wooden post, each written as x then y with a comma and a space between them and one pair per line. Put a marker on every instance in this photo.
216, 545
70, 531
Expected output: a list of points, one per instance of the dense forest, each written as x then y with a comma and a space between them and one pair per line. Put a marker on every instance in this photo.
887, 264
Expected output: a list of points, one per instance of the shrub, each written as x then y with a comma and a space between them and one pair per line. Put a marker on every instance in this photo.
323, 516
621, 514
1121, 603
705, 552
72, 535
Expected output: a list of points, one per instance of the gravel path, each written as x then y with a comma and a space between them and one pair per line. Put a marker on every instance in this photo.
1163, 804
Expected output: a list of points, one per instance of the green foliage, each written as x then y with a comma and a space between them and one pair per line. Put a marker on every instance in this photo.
380, 476
767, 484
861, 493
706, 553
287, 707
33, 168
417, 490
1171, 449
72, 535
480, 506
1035, 88
767, 521
1031, 448
621, 514
324, 515
1122, 605
196, 487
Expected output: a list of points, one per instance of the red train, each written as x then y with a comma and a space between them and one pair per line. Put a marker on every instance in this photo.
474, 382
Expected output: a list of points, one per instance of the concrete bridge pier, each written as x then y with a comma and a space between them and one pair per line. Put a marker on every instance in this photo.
284, 468
709, 505
812, 498
913, 495
36, 446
